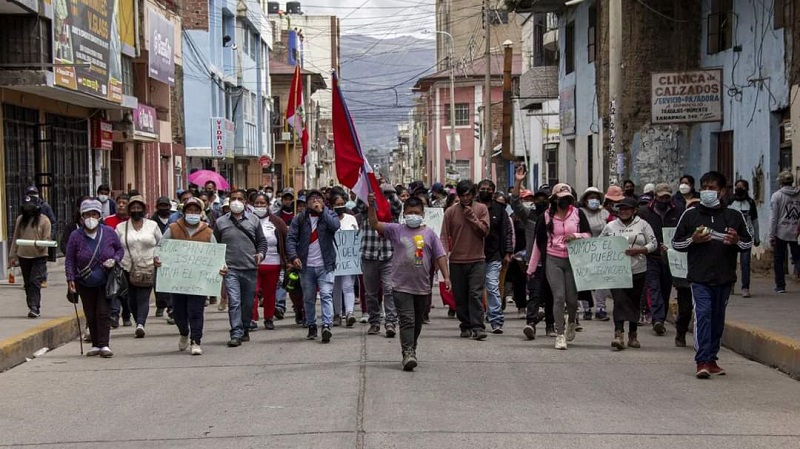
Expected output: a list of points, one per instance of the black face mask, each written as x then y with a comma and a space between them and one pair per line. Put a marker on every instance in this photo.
164, 213
662, 205
741, 193
138, 215
288, 209
485, 197
629, 191
564, 202
540, 207
340, 210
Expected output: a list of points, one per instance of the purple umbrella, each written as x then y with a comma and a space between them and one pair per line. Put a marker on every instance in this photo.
201, 177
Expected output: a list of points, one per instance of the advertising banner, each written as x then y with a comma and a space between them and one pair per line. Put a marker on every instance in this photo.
102, 135
223, 135
687, 97
86, 47
162, 42
144, 122
566, 112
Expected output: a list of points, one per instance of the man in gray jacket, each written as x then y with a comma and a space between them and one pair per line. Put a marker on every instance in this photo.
246, 247
310, 249
783, 226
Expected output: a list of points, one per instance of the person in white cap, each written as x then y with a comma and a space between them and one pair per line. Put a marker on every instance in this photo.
592, 206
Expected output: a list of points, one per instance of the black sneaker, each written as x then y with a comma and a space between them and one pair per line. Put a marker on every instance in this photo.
114, 323
530, 332
426, 318
279, 313
659, 328
602, 315
466, 333
33, 313
497, 330
479, 334
234, 342
159, 312
374, 330
587, 315
312, 333
246, 337
451, 313
337, 320
550, 331
680, 340
253, 326
269, 325
409, 361
298, 319
326, 334
390, 331
126, 322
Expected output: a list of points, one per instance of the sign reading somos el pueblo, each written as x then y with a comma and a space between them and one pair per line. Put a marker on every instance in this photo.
687, 97
600, 263
348, 252
190, 268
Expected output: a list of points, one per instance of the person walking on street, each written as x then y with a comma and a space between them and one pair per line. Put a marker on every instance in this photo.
269, 271
161, 218
661, 213
783, 225
742, 202
344, 294
91, 253
591, 205
641, 241
112, 221
139, 237
418, 252
310, 250
464, 228
712, 235
685, 192
104, 196
550, 249
31, 224
189, 310
246, 246
498, 247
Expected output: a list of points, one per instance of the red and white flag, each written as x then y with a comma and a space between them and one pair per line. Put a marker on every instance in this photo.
295, 115
352, 168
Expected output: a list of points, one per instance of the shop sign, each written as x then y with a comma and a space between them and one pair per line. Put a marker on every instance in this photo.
162, 42
687, 97
102, 135
223, 135
144, 122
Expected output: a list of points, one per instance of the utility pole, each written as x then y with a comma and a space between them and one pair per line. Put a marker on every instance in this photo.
487, 91
615, 164
508, 58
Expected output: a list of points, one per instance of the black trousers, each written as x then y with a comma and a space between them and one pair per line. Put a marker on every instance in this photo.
540, 296
410, 311
685, 307
34, 271
469, 280
188, 313
96, 308
519, 281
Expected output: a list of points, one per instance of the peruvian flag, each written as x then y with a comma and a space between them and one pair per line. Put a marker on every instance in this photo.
295, 115
352, 168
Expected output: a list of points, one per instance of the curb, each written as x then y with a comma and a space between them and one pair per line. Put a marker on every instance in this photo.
51, 334
755, 343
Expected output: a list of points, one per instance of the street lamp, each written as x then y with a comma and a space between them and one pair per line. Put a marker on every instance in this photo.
452, 100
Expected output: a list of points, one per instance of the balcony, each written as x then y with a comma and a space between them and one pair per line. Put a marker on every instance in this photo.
550, 40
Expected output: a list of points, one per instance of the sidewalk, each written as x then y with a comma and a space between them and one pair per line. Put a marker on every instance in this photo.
21, 336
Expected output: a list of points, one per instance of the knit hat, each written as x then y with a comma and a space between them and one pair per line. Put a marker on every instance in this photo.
91, 205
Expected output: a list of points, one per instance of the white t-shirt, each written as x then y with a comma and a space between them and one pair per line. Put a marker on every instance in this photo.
348, 222
314, 250
272, 257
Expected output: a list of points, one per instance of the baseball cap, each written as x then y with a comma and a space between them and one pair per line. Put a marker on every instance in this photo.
628, 202
663, 189
32, 190
561, 190
163, 200
649, 188
525, 194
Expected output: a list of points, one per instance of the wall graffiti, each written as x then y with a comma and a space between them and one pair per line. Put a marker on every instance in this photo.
659, 153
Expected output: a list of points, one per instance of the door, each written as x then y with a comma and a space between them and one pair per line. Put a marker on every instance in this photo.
20, 138
725, 155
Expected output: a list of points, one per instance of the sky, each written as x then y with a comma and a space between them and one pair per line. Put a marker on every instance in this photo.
378, 18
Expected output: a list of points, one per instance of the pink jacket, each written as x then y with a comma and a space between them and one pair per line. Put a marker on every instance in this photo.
556, 243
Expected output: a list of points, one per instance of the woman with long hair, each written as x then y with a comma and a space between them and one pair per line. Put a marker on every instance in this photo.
562, 223
269, 271
31, 225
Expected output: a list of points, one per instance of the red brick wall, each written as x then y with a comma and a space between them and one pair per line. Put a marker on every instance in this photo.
195, 14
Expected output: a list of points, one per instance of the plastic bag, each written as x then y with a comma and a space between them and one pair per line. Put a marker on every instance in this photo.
117, 283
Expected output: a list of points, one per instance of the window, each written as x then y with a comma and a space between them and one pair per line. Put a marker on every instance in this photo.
127, 76
569, 48
784, 139
720, 26
551, 151
783, 13
543, 23
591, 34
725, 155
462, 114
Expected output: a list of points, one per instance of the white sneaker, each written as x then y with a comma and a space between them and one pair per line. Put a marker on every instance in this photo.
364, 318
183, 343
561, 342
571, 331
139, 331
196, 350
105, 352
93, 352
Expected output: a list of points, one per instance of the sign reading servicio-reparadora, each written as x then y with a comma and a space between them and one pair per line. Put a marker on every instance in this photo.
687, 97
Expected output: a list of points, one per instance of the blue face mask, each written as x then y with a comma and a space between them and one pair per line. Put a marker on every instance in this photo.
709, 198
192, 219
593, 204
413, 221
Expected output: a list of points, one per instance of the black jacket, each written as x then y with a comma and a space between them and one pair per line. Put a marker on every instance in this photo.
713, 262
500, 240
670, 219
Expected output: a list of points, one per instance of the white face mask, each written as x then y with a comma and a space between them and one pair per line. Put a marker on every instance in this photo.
528, 204
102, 198
237, 207
91, 223
709, 198
269, 195
685, 189
260, 212
413, 221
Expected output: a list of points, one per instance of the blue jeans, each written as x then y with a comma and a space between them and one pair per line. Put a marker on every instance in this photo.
710, 302
241, 285
744, 265
493, 301
780, 257
659, 285
312, 278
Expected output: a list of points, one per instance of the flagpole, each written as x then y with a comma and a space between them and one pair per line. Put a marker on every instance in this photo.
296, 82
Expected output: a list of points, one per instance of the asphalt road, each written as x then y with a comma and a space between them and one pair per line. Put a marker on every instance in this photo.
280, 390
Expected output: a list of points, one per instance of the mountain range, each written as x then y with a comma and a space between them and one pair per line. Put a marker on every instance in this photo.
376, 77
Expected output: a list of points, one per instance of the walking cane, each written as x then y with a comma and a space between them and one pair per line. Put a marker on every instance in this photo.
80, 330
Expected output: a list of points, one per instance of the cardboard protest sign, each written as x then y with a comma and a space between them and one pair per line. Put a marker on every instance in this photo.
678, 262
348, 252
190, 268
600, 263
